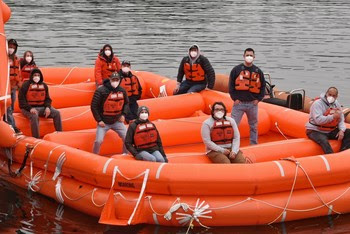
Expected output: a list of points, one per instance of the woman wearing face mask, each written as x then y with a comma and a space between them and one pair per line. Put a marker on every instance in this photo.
132, 86
34, 101
105, 64
221, 137
108, 107
143, 139
27, 65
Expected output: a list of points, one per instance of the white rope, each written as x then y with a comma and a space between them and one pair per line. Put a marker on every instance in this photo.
32, 183
59, 212
58, 191
7, 81
75, 199
122, 196
61, 159
92, 199
36, 144
199, 211
276, 124
83, 113
139, 175
70, 71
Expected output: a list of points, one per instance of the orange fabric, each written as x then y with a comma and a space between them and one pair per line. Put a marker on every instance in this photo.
331, 125
15, 75
113, 104
145, 136
36, 94
104, 69
248, 81
194, 72
131, 85
26, 70
222, 132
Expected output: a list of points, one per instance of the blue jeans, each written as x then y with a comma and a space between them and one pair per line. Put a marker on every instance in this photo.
155, 156
251, 111
10, 109
186, 87
118, 127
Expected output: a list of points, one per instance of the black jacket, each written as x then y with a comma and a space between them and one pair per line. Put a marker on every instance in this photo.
22, 94
130, 145
99, 98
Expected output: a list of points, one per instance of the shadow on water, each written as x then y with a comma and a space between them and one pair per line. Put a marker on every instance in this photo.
25, 212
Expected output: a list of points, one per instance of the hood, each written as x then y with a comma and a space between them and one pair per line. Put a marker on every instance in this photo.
102, 54
36, 70
142, 108
324, 99
198, 49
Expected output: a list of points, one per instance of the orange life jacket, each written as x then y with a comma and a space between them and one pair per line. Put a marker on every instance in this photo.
248, 81
331, 125
108, 68
145, 136
194, 72
36, 94
222, 132
14, 71
114, 103
26, 70
131, 85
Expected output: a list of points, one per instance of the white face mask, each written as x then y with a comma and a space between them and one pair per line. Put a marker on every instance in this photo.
248, 59
193, 54
144, 116
29, 59
330, 99
36, 79
126, 69
11, 50
219, 114
108, 53
115, 84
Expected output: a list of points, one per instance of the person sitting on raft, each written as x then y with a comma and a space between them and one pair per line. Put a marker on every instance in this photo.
27, 65
143, 139
34, 101
327, 122
221, 136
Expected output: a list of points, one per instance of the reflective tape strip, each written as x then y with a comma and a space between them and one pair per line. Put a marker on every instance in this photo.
330, 210
106, 165
280, 167
159, 169
326, 162
155, 219
5, 97
284, 215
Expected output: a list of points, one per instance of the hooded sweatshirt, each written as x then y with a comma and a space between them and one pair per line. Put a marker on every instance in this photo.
22, 95
317, 117
205, 64
105, 66
99, 98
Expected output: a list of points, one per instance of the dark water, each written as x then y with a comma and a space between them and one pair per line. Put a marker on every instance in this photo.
302, 44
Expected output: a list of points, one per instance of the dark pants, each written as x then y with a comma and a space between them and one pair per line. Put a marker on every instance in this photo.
186, 87
34, 119
133, 107
322, 139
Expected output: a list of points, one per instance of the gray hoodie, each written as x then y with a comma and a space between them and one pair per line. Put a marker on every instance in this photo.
212, 146
318, 108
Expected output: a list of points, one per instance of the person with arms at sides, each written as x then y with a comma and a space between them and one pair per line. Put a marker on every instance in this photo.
105, 64
132, 86
247, 89
34, 101
221, 137
143, 139
108, 107
327, 122
198, 72
27, 65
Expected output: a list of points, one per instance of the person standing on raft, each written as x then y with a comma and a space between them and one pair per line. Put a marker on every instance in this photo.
326, 122
143, 139
221, 137
108, 107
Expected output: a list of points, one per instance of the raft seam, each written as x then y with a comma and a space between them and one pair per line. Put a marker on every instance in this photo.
159, 169
280, 167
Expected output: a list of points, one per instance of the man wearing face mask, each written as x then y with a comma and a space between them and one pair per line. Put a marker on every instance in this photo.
221, 137
27, 65
143, 139
198, 72
108, 107
327, 122
15, 80
34, 101
105, 64
132, 86
247, 89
